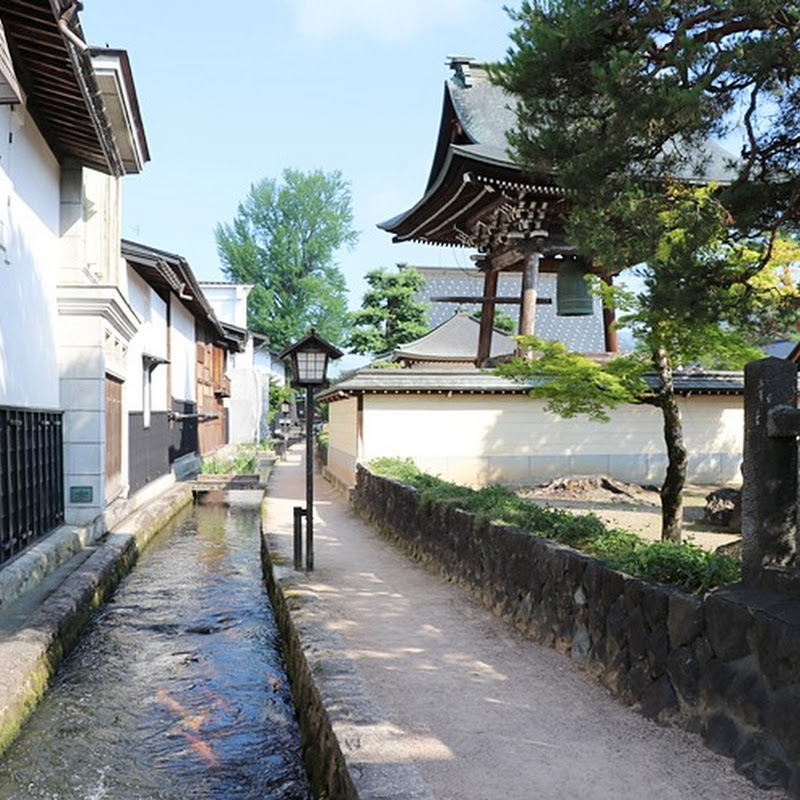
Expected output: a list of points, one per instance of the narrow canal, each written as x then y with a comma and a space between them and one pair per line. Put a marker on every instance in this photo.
178, 688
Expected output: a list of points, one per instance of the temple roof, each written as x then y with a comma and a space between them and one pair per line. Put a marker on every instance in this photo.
472, 175
455, 340
476, 196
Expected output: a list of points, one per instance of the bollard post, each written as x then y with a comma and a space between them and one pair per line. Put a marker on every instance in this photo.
770, 485
299, 512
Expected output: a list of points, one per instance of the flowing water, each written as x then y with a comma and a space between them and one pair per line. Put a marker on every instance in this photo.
177, 690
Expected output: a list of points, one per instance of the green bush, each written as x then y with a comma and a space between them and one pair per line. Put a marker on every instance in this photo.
685, 565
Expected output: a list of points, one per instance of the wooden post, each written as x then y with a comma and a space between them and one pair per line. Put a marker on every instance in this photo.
770, 481
487, 317
530, 276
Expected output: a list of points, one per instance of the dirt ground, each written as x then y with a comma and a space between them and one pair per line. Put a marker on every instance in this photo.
630, 507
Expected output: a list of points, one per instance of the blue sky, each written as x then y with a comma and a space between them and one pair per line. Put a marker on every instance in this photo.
234, 92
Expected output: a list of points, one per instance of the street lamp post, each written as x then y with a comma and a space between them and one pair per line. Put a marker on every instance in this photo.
308, 364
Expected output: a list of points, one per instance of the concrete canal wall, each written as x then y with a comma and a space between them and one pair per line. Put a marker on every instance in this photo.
51, 610
311, 664
724, 665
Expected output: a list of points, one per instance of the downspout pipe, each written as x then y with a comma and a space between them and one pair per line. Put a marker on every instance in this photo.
63, 25
80, 56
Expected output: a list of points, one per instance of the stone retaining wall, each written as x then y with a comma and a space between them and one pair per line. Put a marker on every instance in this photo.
726, 665
325, 763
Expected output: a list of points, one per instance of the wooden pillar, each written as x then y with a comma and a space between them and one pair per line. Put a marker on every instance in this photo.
609, 323
530, 278
487, 316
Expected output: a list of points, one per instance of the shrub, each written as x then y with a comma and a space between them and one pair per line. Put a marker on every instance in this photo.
685, 565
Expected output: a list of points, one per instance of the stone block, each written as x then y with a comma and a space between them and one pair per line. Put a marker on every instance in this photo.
615, 676
727, 623
637, 633
616, 633
613, 586
777, 639
683, 669
763, 761
721, 734
655, 602
658, 650
659, 700
633, 590
684, 618
784, 719
715, 678
638, 681
747, 696
581, 644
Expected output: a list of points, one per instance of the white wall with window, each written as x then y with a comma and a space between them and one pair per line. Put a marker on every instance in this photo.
147, 385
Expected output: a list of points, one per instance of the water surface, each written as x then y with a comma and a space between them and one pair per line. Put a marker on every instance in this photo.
178, 688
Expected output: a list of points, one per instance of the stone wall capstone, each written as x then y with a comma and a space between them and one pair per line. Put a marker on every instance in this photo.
726, 665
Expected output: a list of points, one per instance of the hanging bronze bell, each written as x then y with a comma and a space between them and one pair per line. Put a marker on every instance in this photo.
573, 298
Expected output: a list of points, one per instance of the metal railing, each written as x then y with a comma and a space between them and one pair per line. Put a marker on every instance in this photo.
31, 477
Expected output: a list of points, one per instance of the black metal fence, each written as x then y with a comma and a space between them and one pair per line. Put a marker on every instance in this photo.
31, 477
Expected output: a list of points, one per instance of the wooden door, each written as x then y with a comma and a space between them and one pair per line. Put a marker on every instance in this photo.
113, 435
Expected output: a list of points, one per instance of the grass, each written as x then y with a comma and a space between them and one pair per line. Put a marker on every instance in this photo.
685, 565
240, 461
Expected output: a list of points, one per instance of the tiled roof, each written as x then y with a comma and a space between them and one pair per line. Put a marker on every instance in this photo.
477, 381
456, 339
486, 112
171, 272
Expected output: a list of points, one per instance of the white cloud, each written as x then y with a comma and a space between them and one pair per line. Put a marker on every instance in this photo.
387, 20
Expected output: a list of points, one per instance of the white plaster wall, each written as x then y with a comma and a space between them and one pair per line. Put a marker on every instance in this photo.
244, 406
29, 248
343, 441
485, 438
102, 214
229, 301
183, 363
150, 339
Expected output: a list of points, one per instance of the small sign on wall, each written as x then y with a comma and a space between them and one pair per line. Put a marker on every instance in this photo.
80, 494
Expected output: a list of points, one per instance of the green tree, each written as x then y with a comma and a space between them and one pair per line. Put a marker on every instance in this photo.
502, 321
389, 315
283, 240
619, 98
776, 308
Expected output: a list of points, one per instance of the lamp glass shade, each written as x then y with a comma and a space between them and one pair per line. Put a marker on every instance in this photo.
311, 366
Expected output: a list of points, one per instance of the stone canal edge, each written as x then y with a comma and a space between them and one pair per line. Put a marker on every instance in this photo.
42, 626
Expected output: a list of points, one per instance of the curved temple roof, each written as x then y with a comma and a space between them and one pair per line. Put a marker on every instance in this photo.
476, 195
455, 340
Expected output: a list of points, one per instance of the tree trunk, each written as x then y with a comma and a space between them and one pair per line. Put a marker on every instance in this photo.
672, 488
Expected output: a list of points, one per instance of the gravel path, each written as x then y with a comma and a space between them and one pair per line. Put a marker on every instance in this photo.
482, 712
